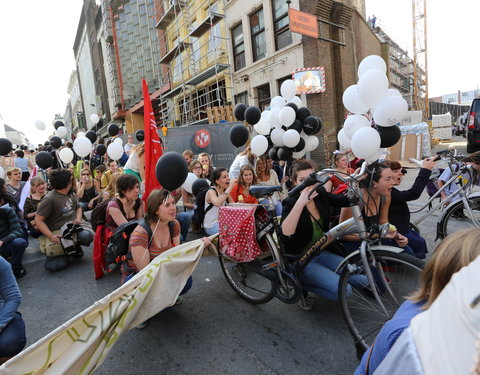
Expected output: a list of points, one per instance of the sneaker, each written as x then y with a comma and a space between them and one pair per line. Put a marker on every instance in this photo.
142, 325
19, 272
306, 303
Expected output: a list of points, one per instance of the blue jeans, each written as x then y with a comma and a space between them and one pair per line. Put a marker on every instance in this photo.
184, 218
212, 230
319, 276
12, 337
417, 243
14, 250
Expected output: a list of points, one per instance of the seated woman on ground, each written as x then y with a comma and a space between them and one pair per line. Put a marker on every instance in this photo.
87, 193
376, 187
399, 213
111, 190
304, 221
453, 253
217, 196
38, 189
206, 162
241, 190
12, 326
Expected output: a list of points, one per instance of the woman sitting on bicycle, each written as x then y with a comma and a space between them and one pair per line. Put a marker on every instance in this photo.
304, 221
376, 187
241, 190
453, 253
399, 213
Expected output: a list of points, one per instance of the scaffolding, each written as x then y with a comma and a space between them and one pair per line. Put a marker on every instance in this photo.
420, 83
195, 76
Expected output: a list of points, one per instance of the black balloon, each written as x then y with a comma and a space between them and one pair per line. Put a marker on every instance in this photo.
239, 111
171, 170
101, 149
44, 159
113, 129
238, 135
55, 141
23, 147
57, 124
5, 146
300, 146
47, 143
91, 135
140, 135
199, 184
293, 105
303, 113
297, 125
311, 125
285, 153
273, 153
389, 135
253, 115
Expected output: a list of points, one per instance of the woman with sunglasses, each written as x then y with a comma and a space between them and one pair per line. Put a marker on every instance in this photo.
86, 191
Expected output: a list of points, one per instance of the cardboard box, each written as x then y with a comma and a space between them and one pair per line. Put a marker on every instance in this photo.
409, 146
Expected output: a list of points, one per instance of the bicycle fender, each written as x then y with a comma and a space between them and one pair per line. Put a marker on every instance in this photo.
392, 249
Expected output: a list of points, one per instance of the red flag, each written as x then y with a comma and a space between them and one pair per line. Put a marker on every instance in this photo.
153, 149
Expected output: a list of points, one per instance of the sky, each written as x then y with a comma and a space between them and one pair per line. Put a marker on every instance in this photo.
36, 52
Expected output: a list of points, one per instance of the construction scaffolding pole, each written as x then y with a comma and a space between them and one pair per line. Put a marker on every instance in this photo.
420, 57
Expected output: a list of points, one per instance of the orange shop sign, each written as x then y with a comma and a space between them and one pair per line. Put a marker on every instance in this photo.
303, 23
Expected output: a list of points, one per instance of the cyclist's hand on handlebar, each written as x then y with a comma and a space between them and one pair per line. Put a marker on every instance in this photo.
428, 163
307, 195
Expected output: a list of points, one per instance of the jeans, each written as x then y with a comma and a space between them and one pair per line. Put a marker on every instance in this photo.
12, 337
417, 243
84, 206
14, 250
212, 230
319, 276
184, 218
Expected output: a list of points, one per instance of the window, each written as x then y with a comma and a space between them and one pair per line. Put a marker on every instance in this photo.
238, 47
263, 93
257, 29
280, 81
283, 36
241, 98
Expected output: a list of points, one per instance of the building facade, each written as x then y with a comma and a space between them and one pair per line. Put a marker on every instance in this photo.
459, 97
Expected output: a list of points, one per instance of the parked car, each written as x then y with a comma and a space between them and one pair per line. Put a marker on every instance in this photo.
461, 124
473, 130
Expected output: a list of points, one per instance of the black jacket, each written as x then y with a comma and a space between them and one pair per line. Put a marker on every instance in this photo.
297, 242
399, 214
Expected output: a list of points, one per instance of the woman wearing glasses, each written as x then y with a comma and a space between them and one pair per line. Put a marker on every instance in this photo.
86, 191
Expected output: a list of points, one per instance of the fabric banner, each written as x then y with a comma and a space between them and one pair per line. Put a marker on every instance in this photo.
80, 345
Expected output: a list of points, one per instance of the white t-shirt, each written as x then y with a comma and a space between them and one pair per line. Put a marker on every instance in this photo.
128, 147
132, 163
239, 162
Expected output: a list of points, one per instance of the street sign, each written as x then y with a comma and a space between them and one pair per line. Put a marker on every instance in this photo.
303, 23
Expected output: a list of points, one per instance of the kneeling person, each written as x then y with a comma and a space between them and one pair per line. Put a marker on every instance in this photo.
59, 218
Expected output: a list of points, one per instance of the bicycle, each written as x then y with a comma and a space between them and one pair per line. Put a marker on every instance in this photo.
456, 214
390, 275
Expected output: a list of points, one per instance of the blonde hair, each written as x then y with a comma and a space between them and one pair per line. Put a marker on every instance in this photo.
453, 253
139, 149
111, 188
34, 182
11, 170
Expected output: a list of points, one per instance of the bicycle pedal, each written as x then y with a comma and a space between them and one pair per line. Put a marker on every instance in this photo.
270, 266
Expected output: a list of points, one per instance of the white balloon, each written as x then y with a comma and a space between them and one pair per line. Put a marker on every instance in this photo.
278, 102
262, 127
2, 172
343, 139
372, 87
391, 111
82, 146
297, 101
40, 125
115, 150
311, 143
365, 143
187, 185
62, 131
66, 155
353, 123
380, 154
277, 137
352, 102
259, 145
394, 92
287, 116
94, 118
80, 134
288, 89
299, 154
118, 140
372, 62
274, 118
265, 115
291, 138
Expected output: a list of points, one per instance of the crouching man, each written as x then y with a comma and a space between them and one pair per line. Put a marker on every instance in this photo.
59, 218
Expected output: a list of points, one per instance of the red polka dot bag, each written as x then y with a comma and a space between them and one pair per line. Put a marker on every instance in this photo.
237, 233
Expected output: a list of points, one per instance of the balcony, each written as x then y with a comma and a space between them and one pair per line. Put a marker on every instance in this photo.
170, 55
209, 22
207, 73
170, 13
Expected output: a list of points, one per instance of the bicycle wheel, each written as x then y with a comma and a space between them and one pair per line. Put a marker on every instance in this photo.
255, 281
362, 313
457, 217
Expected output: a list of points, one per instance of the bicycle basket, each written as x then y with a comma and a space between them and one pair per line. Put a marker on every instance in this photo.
237, 233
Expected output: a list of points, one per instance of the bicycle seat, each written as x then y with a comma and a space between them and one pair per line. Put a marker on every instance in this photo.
259, 191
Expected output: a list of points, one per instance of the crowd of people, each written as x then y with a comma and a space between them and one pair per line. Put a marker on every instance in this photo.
59, 206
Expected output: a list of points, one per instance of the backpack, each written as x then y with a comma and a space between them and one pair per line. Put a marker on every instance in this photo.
432, 186
99, 212
117, 248
200, 211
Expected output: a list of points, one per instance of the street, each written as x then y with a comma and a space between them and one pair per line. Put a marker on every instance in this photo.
212, 332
